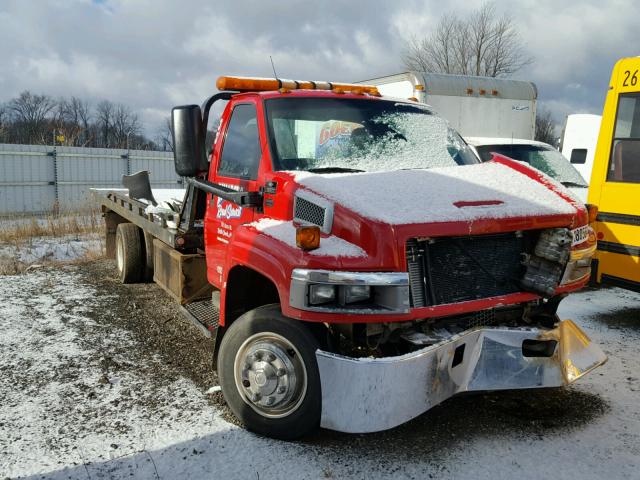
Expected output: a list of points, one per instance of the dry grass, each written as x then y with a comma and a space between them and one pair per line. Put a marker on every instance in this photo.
11, 266
20, 235
18, 230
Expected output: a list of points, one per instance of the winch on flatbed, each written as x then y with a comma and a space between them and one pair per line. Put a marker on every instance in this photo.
353, 260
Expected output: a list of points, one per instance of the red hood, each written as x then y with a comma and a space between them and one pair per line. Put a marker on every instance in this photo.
497, 190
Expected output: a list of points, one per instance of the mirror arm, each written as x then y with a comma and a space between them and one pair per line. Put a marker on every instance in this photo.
206, 106
243, 199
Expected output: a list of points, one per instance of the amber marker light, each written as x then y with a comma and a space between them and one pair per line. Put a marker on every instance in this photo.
308, 237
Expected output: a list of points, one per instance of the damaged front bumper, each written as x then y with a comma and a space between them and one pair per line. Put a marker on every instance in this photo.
362, 395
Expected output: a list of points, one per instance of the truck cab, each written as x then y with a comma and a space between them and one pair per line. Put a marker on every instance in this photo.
365, 264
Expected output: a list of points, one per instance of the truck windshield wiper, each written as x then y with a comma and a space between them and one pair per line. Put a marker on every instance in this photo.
573, 184
334, 170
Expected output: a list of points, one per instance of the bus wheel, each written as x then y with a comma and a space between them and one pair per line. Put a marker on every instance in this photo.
269, 375
129, 253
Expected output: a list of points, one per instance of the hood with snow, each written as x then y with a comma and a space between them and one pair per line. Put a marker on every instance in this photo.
494, 189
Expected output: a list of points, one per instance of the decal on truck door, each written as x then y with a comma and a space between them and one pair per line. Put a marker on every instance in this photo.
227, 210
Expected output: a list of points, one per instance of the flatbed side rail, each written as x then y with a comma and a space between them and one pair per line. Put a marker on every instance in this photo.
134, 211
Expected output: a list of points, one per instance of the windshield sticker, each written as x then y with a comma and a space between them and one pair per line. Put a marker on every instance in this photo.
334, 136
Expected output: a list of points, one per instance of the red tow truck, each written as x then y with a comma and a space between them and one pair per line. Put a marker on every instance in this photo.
354, 261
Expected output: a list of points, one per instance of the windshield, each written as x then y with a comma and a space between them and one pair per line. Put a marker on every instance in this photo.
545, 159
337, 135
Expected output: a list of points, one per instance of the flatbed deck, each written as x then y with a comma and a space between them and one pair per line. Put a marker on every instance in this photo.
135, 211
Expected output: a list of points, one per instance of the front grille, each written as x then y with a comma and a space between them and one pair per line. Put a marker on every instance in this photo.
309, 212
459, 269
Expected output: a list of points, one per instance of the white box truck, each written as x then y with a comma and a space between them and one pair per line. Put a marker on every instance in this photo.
579, 140
475, 106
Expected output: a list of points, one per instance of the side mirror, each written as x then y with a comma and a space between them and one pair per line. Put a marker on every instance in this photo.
188, 140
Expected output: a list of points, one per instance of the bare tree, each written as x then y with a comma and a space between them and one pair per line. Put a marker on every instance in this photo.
104, 124
480, 43
35, 119
545, 127
31, 115
125, 126
164, 136
4, 124
72, 119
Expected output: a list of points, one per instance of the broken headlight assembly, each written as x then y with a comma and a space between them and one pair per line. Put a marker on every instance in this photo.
560, 257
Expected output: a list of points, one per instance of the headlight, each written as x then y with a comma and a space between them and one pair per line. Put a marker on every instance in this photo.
319, 294
349, 292
356, 293
579, 265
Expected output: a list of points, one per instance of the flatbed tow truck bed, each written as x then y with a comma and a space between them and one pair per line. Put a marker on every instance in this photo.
171, 240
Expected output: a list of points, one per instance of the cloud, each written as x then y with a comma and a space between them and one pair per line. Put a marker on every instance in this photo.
152, 55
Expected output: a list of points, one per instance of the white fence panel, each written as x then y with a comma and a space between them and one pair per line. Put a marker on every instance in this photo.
38, 179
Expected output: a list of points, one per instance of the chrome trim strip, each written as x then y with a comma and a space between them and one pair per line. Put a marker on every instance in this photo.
390, 295
351, 278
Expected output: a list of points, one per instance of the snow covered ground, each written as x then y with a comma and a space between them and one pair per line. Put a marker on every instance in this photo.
65, 248
100, 380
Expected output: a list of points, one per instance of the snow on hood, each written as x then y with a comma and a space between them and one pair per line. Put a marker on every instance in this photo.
463, 193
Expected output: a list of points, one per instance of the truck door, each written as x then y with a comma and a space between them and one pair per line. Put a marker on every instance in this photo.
617, 177
236, 164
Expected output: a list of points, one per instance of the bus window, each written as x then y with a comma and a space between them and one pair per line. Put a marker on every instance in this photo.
624, 163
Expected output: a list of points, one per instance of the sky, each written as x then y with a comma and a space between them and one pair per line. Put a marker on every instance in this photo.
154, 54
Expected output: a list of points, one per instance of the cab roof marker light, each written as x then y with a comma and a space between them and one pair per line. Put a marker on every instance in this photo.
252, 84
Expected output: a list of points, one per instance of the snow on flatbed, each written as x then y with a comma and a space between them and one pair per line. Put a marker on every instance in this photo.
161, 195
84, 394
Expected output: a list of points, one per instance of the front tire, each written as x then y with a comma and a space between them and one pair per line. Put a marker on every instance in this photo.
269, 375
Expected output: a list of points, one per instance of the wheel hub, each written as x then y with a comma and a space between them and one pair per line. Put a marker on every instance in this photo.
270, 375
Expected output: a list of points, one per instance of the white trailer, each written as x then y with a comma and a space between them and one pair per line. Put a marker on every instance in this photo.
579, 140
475, 106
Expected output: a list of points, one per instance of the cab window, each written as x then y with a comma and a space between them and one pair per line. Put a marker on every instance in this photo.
624, 164
241, 149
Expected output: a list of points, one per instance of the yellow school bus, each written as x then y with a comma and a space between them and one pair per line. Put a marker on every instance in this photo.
615, 180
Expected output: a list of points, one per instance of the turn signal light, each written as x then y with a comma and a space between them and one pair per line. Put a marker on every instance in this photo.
593, 212
308, 237
250, 84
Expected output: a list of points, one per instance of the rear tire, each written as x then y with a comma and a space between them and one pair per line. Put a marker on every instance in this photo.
148, 253
129, 253
269, 375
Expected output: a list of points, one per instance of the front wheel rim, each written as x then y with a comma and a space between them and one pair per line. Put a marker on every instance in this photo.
270, 375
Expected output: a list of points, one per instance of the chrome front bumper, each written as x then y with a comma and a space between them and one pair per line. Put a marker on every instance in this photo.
362, 395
